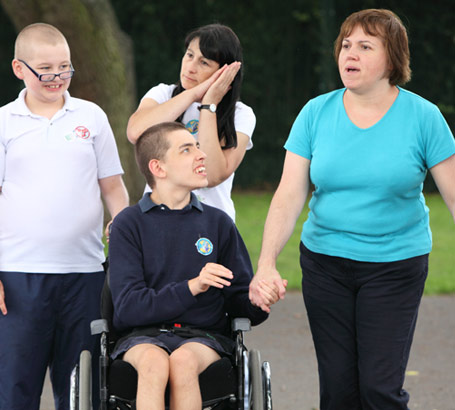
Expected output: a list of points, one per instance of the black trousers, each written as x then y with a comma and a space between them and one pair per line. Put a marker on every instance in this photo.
362, 317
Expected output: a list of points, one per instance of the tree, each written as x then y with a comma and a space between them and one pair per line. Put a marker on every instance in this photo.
102, 57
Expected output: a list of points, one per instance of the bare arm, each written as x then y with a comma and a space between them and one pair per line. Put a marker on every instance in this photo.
285, 208
444, 177
115, 195
2, 299
150, 112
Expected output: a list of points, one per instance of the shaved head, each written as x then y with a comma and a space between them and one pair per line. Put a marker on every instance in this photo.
33, 35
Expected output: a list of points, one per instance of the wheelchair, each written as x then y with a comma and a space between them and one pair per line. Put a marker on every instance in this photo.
240, 383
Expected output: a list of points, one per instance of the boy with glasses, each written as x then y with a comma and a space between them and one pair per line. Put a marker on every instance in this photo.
58, 157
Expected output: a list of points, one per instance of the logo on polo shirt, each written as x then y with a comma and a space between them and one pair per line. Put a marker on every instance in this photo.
204, 246
82, 132
79, 132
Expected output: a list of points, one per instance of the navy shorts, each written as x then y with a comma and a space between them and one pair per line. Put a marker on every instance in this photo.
168, 341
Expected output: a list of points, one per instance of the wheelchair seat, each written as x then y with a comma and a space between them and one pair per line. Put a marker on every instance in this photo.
240, 383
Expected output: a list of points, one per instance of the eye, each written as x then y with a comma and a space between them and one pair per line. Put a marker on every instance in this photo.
65, 67
365, 47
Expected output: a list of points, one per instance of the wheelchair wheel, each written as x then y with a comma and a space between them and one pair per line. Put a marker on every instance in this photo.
256, 382
267, 374
85, 381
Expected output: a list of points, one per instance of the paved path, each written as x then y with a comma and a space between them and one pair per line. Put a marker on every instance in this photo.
285, 341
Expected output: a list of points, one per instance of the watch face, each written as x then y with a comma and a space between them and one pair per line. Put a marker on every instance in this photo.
212, 107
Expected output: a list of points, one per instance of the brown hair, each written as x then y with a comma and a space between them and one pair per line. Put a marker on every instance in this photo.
153, 143
388, 26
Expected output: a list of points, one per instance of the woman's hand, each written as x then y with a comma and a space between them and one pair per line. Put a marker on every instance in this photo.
212, 274
222, 84
266, 288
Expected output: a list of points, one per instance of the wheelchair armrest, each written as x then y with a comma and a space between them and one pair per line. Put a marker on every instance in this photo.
99, 326
241, 324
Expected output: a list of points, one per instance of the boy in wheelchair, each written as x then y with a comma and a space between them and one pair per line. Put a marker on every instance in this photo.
176, 263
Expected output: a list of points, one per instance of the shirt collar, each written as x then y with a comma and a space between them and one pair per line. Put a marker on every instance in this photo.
21, 108
146, 203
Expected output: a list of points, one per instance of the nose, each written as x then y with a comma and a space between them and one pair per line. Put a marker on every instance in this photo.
192, 66
352, 54
201, 154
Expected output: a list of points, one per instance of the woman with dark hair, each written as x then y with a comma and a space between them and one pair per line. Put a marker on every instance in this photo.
206, 101
364, 248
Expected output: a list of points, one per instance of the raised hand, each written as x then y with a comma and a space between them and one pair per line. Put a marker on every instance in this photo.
212, 274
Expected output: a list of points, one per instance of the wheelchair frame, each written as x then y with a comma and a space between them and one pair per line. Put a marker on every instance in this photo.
253, 377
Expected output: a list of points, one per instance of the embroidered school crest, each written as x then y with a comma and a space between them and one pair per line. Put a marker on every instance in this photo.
192, 126
204, 246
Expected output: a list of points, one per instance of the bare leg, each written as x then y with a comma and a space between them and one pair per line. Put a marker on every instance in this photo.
152, 365
186, 363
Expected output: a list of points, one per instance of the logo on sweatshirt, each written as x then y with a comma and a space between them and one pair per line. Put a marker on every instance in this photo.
192, 126
204, 246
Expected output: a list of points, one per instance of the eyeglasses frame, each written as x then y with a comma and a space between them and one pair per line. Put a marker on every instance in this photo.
39, 76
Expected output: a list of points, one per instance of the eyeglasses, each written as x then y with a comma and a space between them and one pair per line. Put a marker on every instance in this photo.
65, 75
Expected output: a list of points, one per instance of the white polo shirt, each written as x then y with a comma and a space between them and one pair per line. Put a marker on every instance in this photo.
244, 121
51, 213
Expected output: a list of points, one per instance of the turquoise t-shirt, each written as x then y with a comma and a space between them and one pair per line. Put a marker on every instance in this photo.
368, 203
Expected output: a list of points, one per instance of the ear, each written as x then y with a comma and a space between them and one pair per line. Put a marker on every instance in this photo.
156, 168
17, 69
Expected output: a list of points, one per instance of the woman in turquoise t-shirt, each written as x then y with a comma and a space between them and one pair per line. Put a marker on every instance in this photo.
364, 247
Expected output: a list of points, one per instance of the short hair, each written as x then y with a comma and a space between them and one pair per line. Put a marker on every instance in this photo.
388, 26
153, 143
40, 32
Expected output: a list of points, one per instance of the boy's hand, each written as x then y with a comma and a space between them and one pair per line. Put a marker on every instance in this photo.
269, 292
212, 274
107, 231
266, 288
2, 299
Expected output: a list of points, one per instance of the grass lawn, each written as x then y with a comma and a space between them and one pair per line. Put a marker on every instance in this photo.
251, 211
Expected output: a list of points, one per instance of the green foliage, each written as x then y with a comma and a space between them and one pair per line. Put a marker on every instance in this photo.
287, 57
252, 208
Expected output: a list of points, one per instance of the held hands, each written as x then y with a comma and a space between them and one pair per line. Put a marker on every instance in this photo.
2, 299
266, 288
212, 274
212, 90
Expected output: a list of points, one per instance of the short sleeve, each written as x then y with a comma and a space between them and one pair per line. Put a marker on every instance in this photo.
299, 140
439, 141
245, 121
107, 157
160, 93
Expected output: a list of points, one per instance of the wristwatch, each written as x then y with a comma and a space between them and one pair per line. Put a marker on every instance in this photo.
210, 107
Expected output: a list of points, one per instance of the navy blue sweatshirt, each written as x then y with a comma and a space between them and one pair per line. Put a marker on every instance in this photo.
154, 251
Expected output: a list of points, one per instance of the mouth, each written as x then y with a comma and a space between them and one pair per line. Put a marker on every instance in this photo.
200, 170
54, 86
188, 78
352, 70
